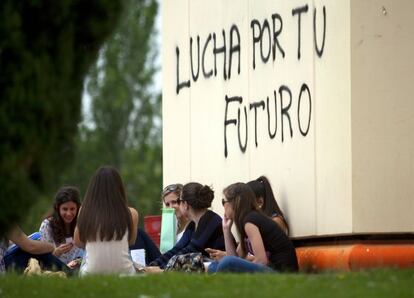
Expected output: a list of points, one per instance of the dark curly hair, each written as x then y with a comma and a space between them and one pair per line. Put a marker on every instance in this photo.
197, 196
64, 194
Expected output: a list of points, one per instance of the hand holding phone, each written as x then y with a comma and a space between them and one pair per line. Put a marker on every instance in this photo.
63, 248
215, 254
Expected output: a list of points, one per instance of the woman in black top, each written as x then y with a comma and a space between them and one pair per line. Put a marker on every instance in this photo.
205, 229
267, 201
263, 245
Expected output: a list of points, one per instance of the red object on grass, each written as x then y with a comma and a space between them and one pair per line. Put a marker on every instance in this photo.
152, 225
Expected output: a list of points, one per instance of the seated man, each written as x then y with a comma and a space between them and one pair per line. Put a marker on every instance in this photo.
24, 247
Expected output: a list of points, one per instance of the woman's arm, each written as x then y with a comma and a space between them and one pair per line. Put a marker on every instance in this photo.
185, 240
253, 233
29, 245
238, 251
216, 254
76, 239
228, 238
133, 233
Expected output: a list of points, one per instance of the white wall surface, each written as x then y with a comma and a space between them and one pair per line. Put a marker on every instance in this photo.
382, 115
305, 149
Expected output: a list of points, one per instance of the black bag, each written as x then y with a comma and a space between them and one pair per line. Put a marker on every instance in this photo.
191, 262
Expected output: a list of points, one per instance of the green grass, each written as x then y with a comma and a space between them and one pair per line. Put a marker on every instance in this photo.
376, 283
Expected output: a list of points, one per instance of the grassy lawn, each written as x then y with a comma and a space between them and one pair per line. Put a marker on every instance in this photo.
376, 283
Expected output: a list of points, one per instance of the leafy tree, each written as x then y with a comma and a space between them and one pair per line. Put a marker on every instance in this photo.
123, 127
46, 48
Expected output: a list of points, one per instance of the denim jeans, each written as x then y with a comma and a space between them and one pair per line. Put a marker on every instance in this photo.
236, 264
17, 259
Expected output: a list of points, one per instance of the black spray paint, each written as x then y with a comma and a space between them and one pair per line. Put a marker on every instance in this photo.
215, 47
298, 11
319, 51
284, 113
212, 53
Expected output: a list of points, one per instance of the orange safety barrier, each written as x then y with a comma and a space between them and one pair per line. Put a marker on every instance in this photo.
355, 256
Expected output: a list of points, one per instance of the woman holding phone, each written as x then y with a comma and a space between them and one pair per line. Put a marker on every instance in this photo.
58, 228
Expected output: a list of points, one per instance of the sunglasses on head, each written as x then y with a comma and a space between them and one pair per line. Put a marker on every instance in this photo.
170, 188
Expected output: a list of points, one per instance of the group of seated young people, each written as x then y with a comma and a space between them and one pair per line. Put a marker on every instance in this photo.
97, 236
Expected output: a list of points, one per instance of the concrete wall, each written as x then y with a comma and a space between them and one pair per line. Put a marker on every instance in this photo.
288, 71
382, 47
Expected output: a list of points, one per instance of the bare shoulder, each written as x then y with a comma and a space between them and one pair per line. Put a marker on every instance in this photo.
134, 213
133, 233
250, 228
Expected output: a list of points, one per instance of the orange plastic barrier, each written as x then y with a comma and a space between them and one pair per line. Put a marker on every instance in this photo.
355, 256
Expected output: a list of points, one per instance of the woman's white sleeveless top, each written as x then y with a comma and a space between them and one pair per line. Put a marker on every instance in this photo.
107, 257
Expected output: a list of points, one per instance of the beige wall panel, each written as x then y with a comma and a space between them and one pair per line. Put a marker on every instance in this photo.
349, 169
175, 108
332, 105
288, 163
208, 162
382, 115
292, 163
